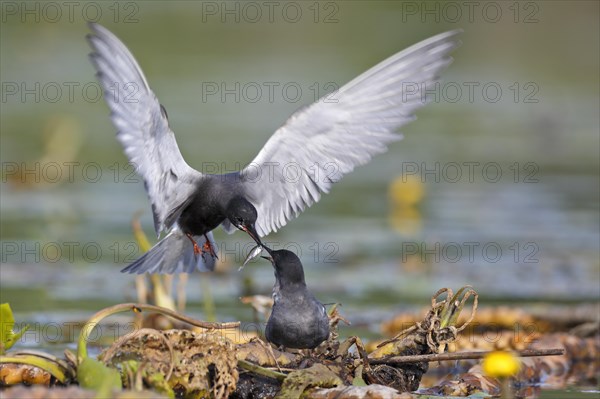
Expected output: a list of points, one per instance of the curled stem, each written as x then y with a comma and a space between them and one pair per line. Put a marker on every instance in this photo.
137, 307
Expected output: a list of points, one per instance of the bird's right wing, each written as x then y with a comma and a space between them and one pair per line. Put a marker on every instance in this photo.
321, 143
143, 128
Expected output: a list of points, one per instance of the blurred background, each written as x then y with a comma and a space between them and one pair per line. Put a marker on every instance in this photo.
495, 185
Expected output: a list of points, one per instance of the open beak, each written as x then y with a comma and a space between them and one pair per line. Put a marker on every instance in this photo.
252, 233
269, 258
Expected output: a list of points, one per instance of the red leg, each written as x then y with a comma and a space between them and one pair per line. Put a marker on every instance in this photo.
194, 243
207, 247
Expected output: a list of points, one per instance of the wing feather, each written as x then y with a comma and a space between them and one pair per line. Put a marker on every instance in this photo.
142, 128
321, 143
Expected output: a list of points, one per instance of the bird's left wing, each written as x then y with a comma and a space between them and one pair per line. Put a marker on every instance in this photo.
321, 143
143, 128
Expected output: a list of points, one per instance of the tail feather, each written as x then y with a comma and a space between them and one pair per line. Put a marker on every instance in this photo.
174, 254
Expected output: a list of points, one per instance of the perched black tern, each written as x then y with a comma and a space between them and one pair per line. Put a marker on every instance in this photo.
325, 141
298, 320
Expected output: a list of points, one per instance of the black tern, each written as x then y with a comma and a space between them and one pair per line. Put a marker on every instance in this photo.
298, 320
319, 144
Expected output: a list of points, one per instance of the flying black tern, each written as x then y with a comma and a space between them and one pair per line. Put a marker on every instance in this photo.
326, 140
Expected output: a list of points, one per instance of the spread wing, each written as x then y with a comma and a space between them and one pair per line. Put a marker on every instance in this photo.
142, 128
321, 143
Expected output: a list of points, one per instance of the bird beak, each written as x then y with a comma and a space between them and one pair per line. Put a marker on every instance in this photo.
252, 233
270, 252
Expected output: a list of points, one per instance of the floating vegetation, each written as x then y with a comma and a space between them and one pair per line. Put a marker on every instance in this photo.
206, 363
178, 363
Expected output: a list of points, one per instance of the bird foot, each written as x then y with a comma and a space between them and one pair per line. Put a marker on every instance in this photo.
194, 243
206, 247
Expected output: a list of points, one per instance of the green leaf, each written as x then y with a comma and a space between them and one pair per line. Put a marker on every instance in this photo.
93, 374
358, 380
158, 383
33, 360
7, 321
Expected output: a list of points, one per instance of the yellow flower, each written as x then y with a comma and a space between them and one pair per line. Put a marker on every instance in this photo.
406, 190
501, 364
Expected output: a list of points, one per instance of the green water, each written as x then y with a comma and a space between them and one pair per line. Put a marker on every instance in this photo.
64, 239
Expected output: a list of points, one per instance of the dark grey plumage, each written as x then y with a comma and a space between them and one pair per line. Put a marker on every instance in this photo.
298, 320
323, 142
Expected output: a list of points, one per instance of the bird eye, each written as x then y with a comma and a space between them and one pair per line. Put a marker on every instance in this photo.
239, 220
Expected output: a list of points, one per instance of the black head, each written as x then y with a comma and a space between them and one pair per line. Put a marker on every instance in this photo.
242, 214
288, 268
